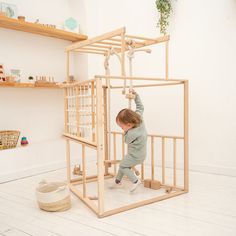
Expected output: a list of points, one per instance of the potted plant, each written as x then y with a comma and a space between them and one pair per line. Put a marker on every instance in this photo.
164, 8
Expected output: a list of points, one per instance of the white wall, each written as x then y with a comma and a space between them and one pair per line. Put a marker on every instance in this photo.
203, 50
37, 113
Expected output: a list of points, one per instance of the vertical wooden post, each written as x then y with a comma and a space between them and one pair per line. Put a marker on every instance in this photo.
123, 145
167, 59
77, 110
174, 161
66, 110
123, 59
163, 160
114, 150
100, 146
152, 157
106, 142
84, 170
186, 164
68, 161
93, 111
68, 66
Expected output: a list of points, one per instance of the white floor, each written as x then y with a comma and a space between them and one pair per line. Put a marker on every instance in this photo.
208, 209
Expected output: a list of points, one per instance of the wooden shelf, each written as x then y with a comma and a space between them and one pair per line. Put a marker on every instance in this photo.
29, 85
35, 28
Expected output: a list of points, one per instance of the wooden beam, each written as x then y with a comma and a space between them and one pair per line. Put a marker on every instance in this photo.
95, 39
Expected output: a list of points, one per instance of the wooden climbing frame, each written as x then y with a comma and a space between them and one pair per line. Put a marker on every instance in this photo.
87, 116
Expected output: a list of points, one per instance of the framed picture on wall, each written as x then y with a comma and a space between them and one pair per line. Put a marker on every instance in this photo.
10, 10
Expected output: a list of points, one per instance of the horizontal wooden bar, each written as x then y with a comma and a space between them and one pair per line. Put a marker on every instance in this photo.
91, 179
86, 200
136, 78
81, 140
159, 39
88, 51
82, 82
95, 39
147, 85
141, 203
155, 135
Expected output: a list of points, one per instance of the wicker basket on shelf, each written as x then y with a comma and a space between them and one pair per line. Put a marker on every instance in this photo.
9, 138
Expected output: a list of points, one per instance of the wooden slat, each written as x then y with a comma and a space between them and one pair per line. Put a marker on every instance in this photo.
114, 151
163, 160
14, 24
80, 140
152, 158
174, 162
100, 146
141, 203
87, 201
84, 170
68, 161
136, 78
95, 39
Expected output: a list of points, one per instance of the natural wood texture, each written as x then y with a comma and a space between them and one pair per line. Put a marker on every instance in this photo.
84, 170
30, 85
186, 162
34, 28
102, 86
100, 146
163, 162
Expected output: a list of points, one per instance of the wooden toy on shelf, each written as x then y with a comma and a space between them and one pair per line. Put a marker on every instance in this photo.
77, 170
44, 81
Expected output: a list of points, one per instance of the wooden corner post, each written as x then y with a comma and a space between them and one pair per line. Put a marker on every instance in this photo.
100, 146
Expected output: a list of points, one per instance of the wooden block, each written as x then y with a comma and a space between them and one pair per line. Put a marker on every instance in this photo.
147, 183
168, 189
155, 184
77, 170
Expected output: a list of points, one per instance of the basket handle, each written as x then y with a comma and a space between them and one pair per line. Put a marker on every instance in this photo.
61, 188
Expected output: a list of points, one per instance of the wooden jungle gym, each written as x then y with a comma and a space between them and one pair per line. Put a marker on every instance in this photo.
87, 123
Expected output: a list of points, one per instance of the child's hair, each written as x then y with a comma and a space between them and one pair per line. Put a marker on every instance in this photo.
127, 116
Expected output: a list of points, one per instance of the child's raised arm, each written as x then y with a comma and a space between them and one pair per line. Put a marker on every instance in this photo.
138, 102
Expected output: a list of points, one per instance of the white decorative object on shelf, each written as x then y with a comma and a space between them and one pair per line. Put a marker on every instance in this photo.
10, 10
71, 25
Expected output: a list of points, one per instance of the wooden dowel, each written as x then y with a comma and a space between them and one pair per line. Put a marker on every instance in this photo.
109, 43
163, 160
148, 85
136, 78
87, 51
142, 172
156, 135
93, 111
103, 46
68, 67
186, 164
114, 151
159, 39
152, 158
84, 170
94, 49
68, 161
95, 39
174, 162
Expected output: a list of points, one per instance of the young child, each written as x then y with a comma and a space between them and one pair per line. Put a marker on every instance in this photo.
136, 138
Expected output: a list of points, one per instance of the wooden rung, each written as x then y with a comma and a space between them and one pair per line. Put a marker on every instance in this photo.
93, 198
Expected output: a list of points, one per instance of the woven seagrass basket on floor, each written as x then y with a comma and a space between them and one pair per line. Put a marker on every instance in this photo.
53, 196
9, 138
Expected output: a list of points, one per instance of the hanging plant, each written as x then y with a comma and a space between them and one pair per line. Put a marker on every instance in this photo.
164, 8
